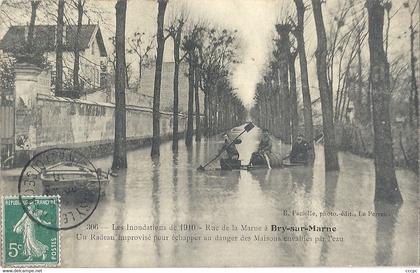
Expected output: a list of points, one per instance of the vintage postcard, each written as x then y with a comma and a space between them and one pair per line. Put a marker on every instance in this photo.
209, 133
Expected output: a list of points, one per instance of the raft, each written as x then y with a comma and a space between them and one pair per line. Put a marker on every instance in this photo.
258, 163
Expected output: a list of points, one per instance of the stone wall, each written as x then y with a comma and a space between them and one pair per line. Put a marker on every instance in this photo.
63, 121
43, 120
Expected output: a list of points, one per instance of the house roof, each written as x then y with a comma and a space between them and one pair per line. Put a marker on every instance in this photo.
44, 38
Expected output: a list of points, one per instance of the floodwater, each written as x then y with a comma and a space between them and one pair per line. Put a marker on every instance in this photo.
170, 191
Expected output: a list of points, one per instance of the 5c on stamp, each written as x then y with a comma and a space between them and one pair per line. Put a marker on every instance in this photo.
25, 241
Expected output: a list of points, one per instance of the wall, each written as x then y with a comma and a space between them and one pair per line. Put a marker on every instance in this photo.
43, 120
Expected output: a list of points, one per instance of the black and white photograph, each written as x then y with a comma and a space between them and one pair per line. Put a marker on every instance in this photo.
209, 133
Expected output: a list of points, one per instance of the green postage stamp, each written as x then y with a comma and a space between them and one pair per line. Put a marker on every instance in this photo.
30, 231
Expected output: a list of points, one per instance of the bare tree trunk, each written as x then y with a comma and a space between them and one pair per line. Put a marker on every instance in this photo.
206, 112
59, 49
386, 186
120, 149
216, 113
177, 44
158, 77
414, 105
127, 79
216, 123
414, 93
140, 71
277, 130
197, 105
330, 149
284, 51
358, 114
306, 95
76, 67
31, 28
190, 117
293, 96
210, 111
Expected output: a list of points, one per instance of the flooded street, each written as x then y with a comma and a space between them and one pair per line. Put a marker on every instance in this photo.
170, 191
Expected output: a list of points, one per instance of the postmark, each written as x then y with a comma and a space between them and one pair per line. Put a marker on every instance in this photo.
25, 242
68, 174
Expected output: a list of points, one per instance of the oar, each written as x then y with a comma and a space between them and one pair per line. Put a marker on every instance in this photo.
247, 128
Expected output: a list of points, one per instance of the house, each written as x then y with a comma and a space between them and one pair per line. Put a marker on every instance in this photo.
93, 54
167, 92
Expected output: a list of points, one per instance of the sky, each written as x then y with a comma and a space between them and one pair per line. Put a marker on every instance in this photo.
253, 19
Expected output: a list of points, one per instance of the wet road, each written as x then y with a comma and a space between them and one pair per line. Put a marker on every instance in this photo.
170, 191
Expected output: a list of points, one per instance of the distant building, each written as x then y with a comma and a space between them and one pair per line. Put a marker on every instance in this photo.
93, 54
167, 94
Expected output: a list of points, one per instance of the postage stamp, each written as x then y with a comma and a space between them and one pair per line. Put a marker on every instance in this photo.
25, 242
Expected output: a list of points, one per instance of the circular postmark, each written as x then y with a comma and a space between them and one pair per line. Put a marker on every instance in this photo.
68, 174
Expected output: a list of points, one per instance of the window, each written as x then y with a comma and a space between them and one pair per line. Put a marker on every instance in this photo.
93, 48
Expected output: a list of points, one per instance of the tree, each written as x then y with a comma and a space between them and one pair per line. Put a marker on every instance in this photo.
197, 77
120, 149
160, 38
112, 59
284, 51
76, 67
335, 44
306, 95
59, 49
190, 45
386, 186
217, 53
414, 96
141, 50
175, 32
360, 110
330, 149
190, 117
31, 28
293, 95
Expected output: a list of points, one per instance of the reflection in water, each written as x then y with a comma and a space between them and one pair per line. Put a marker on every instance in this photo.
119, 187
171, 191
263, 178
303, 177
190, 185
331, 179
385, 229
175, 200
156, 202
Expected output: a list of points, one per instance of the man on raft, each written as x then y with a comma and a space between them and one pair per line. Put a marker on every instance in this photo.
264, 152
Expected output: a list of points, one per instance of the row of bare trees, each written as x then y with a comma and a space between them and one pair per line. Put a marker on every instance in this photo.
209, 53
345, 85
277, 105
